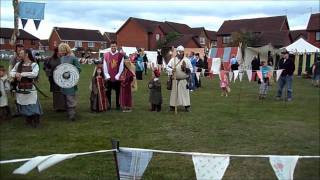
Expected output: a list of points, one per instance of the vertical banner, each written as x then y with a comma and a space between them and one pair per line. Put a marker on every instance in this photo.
132, 163
215, 65
210, 167
249, 74
236, 73
31, 164
279, 72
283, 166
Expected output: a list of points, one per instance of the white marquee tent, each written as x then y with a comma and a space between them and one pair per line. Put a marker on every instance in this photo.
301, 46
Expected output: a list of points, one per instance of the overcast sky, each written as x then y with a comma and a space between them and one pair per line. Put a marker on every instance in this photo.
110, 15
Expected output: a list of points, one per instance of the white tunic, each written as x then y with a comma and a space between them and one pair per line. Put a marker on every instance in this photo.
26, 99
179, 94
4, 87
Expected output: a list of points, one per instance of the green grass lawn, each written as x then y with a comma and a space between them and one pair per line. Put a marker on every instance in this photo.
238, 124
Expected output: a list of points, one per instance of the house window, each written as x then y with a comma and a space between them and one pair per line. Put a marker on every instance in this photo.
90, 44
157, 37
317, 36
227, 39
21, 41
202, 40
55, 43
214, 44
1, 40
78, 44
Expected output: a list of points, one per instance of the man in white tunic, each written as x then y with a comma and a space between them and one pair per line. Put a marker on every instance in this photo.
180, 68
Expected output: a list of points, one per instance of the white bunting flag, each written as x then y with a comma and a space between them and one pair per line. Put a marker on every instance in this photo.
284, 166
210, 167
249, 74
132, 163
236, 73
230, 76
55, 159
279, 73
240, 75
31, 164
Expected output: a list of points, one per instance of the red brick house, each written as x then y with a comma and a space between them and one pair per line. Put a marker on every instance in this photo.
268, 29
212, 37
313, 29
109, 36
25, 38
44, 45
86, 39
144, 33
202, 37
296, 34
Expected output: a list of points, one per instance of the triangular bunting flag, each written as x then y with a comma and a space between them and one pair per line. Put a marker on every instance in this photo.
55, 159
249, 74
198, 75
36, 23
240, 75
236, 73
284, 166
210, 167
259, 74
24, 22
31, 164
279, 73
132, 163
230, 76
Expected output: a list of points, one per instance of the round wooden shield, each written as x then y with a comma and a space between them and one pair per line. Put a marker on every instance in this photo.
66, 75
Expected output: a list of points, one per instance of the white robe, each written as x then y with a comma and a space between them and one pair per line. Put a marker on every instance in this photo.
179, 94
4, 87
26, 99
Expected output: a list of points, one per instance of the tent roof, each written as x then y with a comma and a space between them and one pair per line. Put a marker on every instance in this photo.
301, 46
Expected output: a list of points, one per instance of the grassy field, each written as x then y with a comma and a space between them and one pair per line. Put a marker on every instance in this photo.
238, 124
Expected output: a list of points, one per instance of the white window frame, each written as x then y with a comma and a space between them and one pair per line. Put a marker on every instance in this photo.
214, 44
91, 44
318, 36
202, 40
226, 39
78, 44
2, 40
157, 37
21, 41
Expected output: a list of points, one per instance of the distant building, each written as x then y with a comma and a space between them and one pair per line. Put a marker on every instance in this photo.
313, 29
25, 38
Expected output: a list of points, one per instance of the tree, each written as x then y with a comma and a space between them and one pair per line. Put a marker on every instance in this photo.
163, 43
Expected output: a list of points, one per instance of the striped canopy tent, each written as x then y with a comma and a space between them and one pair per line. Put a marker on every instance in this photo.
224, 53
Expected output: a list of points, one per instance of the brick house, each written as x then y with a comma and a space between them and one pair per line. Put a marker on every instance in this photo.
202, 37
144, 33
25, 38
212, 37
44, 45
88, 40
313, 29
296, 34
268, 29
109, 36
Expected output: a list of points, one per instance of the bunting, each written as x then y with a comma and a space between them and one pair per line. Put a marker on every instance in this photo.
279, 72
55, 159
31, 164
230, 76
31, 10
210, 167
283, 166
36, 23
240, 75
249, 74
236, 73
24, 22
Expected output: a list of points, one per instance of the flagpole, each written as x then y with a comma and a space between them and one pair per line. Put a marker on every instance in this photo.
115, 145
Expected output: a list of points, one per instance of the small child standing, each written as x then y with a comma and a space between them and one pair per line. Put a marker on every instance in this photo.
4, 90
266, 73
224, 83
98, 99
155, 96
127, 79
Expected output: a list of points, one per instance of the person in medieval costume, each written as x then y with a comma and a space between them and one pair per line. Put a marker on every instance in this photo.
128, 84
58, 99
4, 90
113, 65
25, 73
180, 67
155, 96
69, 93
98, 98
140, 65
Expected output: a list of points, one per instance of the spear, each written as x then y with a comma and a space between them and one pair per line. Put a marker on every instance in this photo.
15, 34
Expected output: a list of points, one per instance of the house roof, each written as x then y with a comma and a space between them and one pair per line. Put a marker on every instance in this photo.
314, 22
79, 34
7, 33
180, 28
264, 24
197, 31
183, 40
296, 34
148, 25
277, 39
212, 35
44, 42
110, 36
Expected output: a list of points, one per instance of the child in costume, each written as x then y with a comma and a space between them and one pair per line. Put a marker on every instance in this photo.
128, 83
155, 96
98, 99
